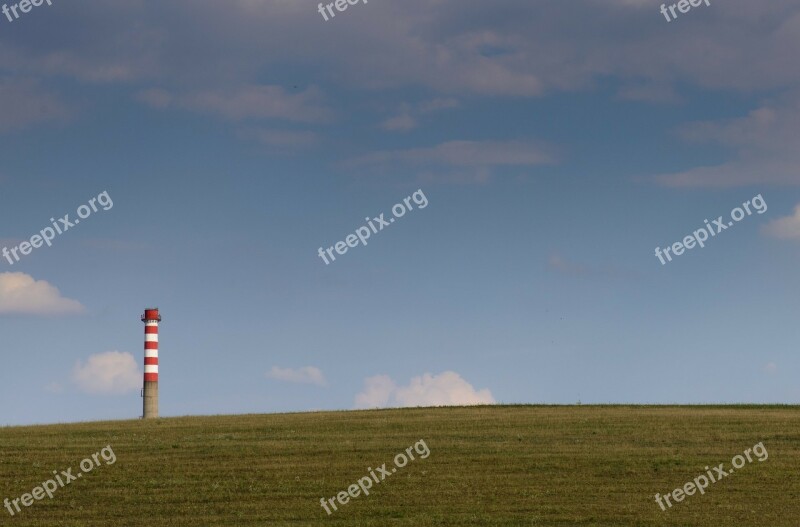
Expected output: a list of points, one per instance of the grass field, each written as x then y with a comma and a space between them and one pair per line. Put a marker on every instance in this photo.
498, 465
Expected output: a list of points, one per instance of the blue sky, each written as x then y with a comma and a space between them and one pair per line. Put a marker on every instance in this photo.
557, 144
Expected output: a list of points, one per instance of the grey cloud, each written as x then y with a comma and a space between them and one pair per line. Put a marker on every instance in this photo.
506, 47
408, 114
766, 143
23, 103
250, 102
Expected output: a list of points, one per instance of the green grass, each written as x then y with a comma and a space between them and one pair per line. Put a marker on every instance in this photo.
499, 466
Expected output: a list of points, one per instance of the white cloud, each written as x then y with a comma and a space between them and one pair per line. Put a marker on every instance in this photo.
112, 372
305, 375
377, 392
445, 389
21, 294
787, 228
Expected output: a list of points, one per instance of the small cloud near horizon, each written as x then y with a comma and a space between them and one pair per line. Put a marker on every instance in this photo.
445, 389
304, 375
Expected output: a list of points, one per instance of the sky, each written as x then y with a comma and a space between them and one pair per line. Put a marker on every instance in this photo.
544, 150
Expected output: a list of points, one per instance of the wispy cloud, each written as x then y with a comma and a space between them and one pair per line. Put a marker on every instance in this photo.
247, 103
765, 142
399, 123
304, 375
155, 97
24, 103
408, 115
460, 161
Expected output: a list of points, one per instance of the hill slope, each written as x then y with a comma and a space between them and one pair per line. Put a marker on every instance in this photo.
499, 466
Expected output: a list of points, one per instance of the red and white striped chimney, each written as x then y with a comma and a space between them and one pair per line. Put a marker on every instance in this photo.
151, 318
